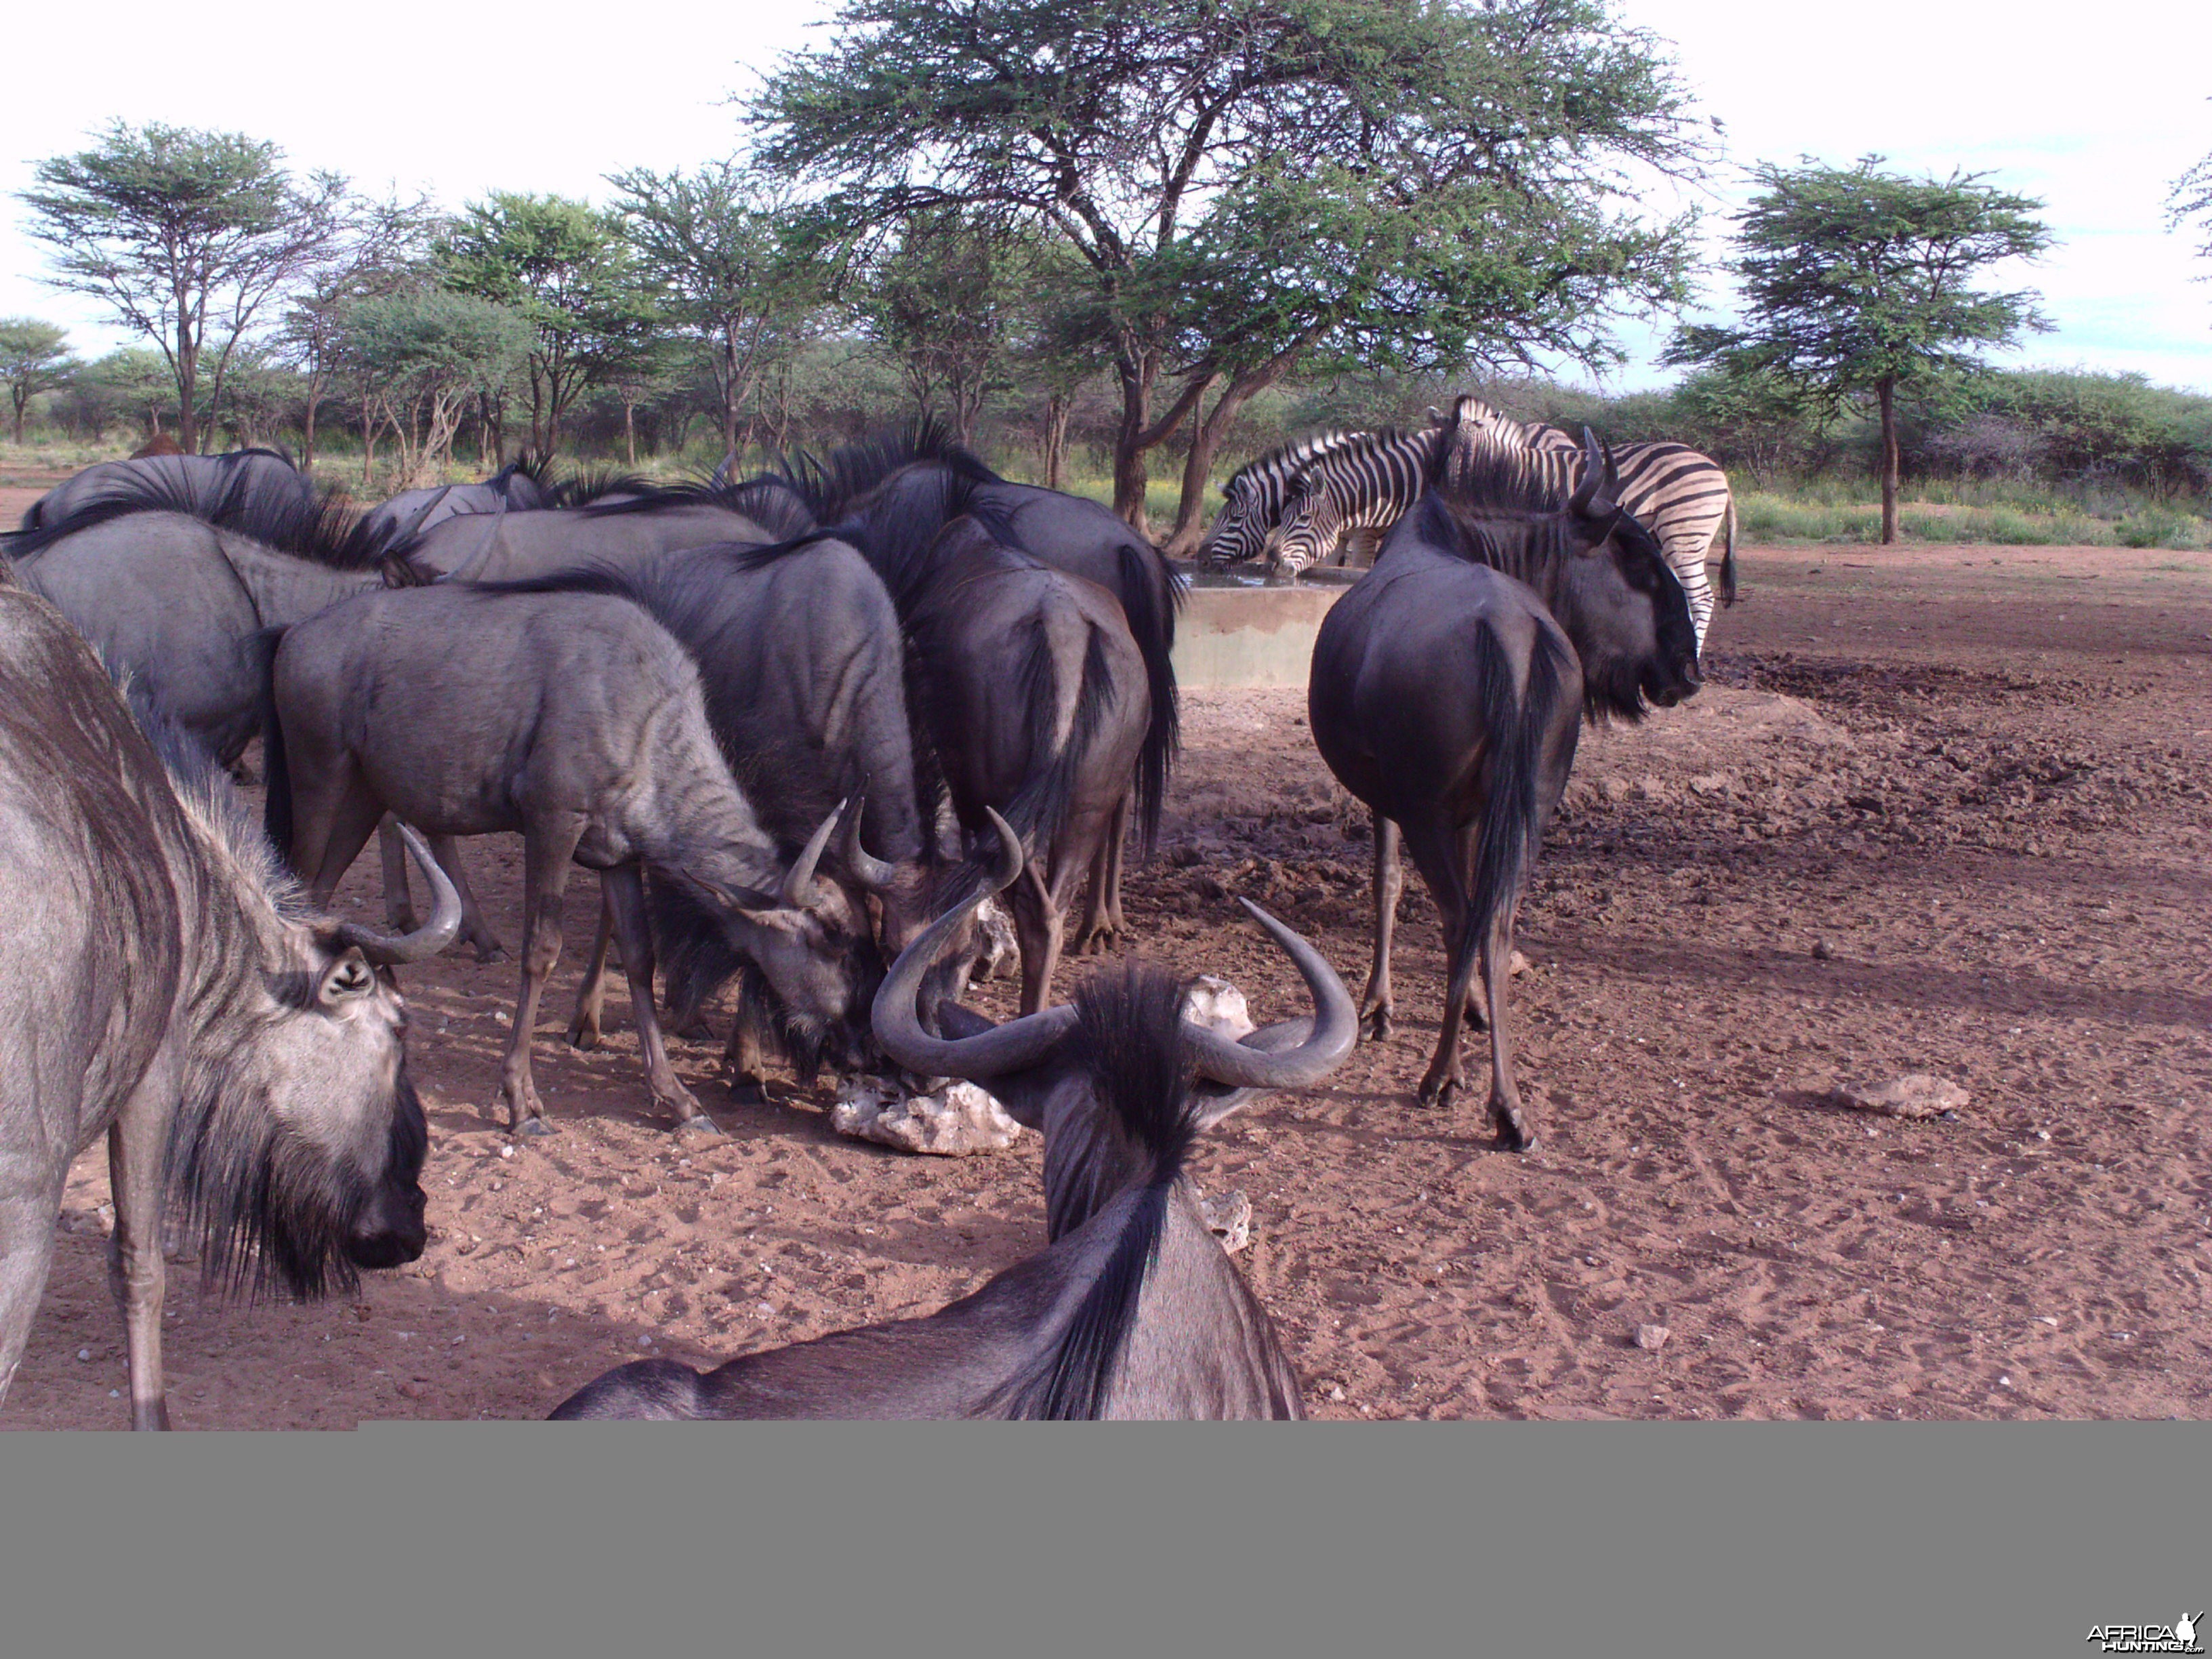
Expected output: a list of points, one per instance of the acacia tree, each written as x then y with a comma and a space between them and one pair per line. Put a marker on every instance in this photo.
420, 356
1178, 147
181, 232
565, 267
379, 248
729, 255
945, 303
34, 357
1859, 284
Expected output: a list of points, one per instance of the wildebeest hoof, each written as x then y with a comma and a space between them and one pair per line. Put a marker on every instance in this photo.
490, 951
700, 1125
1375, 1024
1513, 1134
534, 1127
696, 1030
1438, 1092
583, 1036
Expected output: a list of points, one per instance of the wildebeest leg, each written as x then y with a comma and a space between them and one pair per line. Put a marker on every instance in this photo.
584, 1024
1436, 849
1505, 1116
329, 838
623, 892
1042, 931
1117, 844
743, 1061
547, 846
136, 1146
398, 900
27, 1242
1376, 1006
474, 928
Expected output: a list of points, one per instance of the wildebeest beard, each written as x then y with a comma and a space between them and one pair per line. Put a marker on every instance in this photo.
266, 1205
807, 1044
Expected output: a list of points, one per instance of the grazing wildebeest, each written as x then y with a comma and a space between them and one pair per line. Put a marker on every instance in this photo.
578, 720
178, 588
805, 676
167, 989
1446, 693
192, 483
1027, 684
1134, 1309
924, 471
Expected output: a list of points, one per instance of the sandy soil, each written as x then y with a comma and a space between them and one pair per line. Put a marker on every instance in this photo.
1940, 810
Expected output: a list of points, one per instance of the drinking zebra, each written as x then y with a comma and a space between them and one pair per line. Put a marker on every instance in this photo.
1255, 496
1352, 492
1681, 496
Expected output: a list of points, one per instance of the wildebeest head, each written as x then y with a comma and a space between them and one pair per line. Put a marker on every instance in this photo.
301, 1144
1047, 1071
1631, 605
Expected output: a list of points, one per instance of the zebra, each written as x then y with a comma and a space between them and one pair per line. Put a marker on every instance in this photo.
1681, 496
1256, 497
1353, 492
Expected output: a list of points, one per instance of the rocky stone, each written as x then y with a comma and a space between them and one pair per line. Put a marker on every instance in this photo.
996, 929
1213, 1002
1916, 1094
957, 1121
1228, 1218
1652, 1337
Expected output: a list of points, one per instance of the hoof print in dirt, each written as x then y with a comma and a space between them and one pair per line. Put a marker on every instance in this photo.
1916, 1094
957, 1121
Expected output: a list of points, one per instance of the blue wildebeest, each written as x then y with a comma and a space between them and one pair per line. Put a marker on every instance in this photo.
194, 484
1447, 692
609, 522
1033, 695
1134, 1309
578, 720
412, 511
803, 673
924, 471
177, 587
167, 989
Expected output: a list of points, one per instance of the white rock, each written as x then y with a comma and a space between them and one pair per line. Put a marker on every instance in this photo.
996, 929
1228, 1218
1652, 1337
957, 1121
1215, 1003
1915, 1095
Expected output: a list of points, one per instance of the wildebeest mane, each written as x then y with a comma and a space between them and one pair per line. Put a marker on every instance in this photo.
832, 485
1129, 1038
327, 531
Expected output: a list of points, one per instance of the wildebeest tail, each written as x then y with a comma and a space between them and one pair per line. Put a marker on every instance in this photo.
1510, 824
1150, 607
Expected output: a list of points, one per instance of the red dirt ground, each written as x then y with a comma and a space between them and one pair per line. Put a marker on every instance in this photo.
1940, 810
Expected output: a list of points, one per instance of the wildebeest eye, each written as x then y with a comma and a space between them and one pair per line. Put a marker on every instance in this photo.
350, 976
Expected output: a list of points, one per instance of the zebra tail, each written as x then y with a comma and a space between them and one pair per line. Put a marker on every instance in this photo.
1511, 824
1728, 553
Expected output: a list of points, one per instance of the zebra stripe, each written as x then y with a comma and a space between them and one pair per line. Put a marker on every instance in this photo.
1681, 496
1364, 486
1256, 497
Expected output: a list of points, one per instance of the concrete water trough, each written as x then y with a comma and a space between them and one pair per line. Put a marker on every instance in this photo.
1234, 633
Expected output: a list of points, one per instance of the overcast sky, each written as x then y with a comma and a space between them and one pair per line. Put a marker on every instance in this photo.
2096, 117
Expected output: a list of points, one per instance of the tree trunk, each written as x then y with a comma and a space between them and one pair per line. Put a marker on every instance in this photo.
1056, 408
630, 430
1136, 371
367, 442
20, 398
188, 374
308, 436
1886, 392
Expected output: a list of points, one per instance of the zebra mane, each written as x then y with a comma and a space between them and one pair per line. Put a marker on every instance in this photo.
1480, 474
1290, 457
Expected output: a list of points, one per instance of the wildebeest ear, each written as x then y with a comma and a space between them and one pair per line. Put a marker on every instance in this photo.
1213, 1102
348, 979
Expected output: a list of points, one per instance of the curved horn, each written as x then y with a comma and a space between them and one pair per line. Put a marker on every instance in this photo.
390, 950
1013, 1047
1595, 469
1335, 1027
868, 870
466, 570
798, 880
407, 532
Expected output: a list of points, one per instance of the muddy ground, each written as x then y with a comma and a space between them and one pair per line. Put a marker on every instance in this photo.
1938, 810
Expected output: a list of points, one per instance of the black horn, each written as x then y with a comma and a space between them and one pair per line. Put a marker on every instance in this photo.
390, 950
798, 880
1013, 1047
1593, 496
1335, 1027
868, 870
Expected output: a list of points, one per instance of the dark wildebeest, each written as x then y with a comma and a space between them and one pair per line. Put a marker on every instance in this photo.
412, 511
178, 588
1027, 684
578, 720
924, 469
167, 989
192, 483
1446, 693
1134, 1310
805, 676
610, 521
